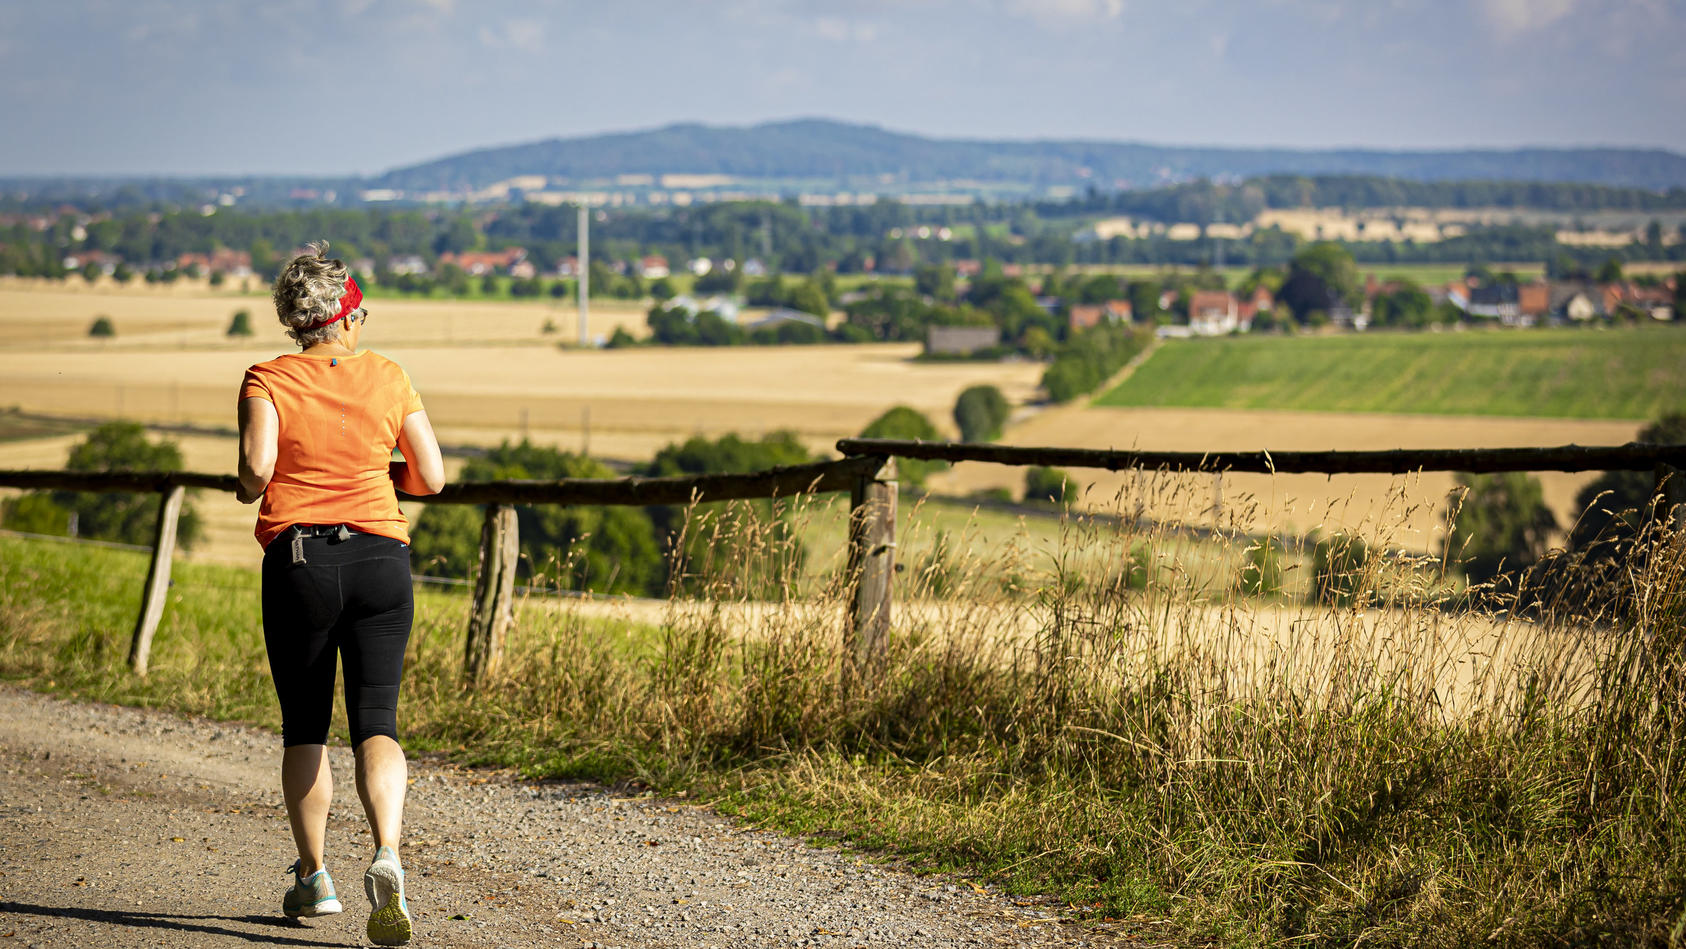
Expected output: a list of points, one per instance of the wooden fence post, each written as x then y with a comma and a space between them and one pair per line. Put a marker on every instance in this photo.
494, 594
872, 562
157, 579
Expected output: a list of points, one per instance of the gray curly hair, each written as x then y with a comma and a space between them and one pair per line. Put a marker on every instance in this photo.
308, 292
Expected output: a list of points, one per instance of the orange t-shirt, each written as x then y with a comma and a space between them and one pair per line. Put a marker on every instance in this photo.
340, 419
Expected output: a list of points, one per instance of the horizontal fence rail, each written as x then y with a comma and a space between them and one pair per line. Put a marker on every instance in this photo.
1633, 456
785, 481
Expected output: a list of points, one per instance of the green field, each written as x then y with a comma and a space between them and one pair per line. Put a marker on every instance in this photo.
1560, 373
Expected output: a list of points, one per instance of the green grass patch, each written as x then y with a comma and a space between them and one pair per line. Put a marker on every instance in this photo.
1557, 373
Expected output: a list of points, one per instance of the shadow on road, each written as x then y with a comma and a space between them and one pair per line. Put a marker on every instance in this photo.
195, 924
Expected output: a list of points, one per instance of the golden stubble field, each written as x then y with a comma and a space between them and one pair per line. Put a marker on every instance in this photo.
1403, 510
195, 315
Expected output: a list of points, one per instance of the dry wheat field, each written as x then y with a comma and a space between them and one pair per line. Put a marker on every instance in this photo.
488, 373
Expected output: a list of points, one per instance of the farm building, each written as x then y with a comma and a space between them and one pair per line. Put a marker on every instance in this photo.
960, 340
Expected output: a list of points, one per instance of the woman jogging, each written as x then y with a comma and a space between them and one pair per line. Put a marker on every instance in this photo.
317, 430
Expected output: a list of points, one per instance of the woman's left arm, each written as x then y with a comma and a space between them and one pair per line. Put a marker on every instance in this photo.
260, 430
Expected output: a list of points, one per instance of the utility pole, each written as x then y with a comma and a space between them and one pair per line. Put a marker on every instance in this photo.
585, 273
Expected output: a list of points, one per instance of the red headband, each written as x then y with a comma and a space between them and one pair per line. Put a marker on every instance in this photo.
353, 296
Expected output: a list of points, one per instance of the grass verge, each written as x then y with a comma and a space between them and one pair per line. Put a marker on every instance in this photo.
1250, 773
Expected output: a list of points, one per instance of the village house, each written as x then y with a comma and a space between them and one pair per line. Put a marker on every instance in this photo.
1083, 316
1259, 301
1576, 302
960, 340
1657, 302
1533, 302
106, 262
653, 267
232, 263
480, 263
407, 264
1215, 313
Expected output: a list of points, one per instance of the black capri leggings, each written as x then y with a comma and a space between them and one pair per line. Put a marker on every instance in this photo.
353, 597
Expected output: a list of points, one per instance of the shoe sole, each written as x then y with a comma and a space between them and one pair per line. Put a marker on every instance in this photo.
389, 925
324, 908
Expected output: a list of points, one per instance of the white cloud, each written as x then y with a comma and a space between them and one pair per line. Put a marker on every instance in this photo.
525, 34
839, 30
1513, 17
1066, 12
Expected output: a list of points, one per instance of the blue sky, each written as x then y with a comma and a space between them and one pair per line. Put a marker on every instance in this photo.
360, 86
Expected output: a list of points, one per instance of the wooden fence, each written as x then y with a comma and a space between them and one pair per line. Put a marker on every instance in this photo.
867, 472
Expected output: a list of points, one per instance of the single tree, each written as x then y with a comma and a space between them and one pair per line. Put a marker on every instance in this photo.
908, 424
102, 327
241, 324
1496, 522
125, 518
980, 413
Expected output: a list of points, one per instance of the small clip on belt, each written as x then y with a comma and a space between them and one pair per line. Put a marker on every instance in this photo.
342, 534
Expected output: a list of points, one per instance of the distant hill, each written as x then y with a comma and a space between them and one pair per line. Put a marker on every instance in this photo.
826, 152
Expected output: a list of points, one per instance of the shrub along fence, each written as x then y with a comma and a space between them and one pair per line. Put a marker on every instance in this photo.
867, 472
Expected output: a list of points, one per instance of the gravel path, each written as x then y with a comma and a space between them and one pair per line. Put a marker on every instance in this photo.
122, 827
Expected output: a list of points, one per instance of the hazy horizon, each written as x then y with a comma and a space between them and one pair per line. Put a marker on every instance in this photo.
186, 88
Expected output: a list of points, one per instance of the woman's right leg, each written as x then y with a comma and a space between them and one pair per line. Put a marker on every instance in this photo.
301, 604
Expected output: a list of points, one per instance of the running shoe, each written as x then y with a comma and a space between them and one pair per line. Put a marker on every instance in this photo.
310, 895
389, 921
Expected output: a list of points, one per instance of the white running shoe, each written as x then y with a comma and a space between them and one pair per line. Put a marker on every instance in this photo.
310, 895
389, 921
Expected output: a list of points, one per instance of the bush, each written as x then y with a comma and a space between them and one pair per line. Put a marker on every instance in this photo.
1339, 569
125, 518
907, 424
1047, 484
1614, 504
1261, 573
1139, 568
102, 327
241, 324
739, 548
620, 339
35, 513
980, 413
1497, 521
602, 549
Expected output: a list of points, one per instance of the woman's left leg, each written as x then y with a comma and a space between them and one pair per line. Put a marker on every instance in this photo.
308, 788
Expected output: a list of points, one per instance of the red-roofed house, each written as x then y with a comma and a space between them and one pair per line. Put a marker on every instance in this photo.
1214, 313
1533, 300
1084, 316
479, 263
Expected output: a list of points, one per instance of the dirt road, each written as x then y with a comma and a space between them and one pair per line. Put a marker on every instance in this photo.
126, 828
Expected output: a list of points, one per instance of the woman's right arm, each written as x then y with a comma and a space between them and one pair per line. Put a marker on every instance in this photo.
260, 430
422, 471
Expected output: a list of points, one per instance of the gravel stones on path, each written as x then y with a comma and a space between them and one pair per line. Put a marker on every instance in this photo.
125, 827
